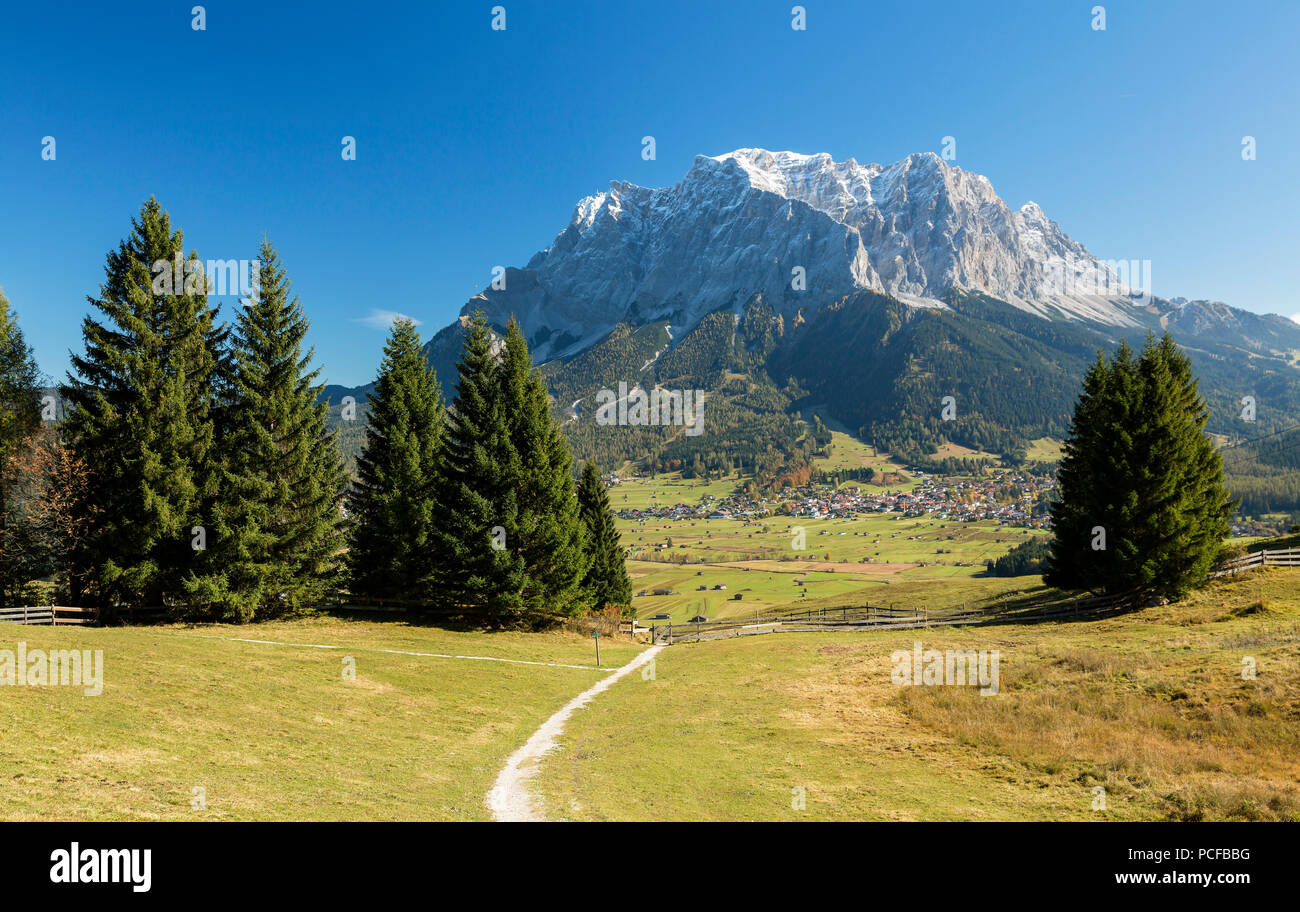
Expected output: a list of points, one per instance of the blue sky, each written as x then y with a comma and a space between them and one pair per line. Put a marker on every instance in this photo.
473, 145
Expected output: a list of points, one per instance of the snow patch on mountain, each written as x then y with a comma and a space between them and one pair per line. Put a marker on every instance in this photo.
802, 231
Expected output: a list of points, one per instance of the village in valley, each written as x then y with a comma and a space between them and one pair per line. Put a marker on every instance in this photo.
1007, 497
714, 548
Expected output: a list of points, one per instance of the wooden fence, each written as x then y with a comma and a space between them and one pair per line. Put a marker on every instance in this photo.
1288, 557
874, 617
877, 617
861, 617
55, 615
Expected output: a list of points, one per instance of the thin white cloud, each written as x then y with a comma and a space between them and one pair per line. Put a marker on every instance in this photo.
383, 319
1296, 317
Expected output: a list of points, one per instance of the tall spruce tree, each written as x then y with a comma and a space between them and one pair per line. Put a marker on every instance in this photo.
394, 505
1098, 441
144, 397
482, 567
19, 420
1142, 504
606, 582
1183, 510
550, 537
278, 526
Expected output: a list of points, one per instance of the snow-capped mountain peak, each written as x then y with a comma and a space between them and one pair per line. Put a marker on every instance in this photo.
802, 230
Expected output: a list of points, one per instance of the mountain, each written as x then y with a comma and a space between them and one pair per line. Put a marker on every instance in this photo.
784, 286
739, 224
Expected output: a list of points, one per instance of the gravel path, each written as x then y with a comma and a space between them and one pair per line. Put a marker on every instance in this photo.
509, 799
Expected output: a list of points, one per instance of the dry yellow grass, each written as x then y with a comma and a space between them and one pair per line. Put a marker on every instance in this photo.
1151, 706
1156, 702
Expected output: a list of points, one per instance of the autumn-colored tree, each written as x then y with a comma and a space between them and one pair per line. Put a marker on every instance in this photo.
51, 513
19, 418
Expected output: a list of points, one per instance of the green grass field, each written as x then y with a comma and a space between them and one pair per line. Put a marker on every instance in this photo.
1044, 449
767, 571
667, 490
275, 732
1152, 707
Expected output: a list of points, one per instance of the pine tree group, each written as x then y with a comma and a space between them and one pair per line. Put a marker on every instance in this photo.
202, 477
214, 487
512, 540
1142, 505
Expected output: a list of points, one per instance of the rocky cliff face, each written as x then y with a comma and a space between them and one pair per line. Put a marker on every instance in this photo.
745, 223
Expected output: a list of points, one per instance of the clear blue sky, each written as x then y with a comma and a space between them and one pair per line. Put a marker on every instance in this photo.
474, 145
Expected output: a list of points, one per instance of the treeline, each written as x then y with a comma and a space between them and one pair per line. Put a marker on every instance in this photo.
621, 355
1264, 490
748, 422
1265, 474
887, 368
914, 441
1025, 559
838, 477
742, 435
195, 471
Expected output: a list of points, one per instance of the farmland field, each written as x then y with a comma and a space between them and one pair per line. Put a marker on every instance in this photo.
841, 562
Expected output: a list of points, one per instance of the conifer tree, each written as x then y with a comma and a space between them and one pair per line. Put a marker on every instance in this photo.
144, 397
550, 532
606, 582
20, 397
394, 504
1086, 510
278, 526
1142, 503
482, 568
1182, 510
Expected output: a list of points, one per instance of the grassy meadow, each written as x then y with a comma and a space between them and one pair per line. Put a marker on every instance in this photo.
272, 732
261, 719
1150, 706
